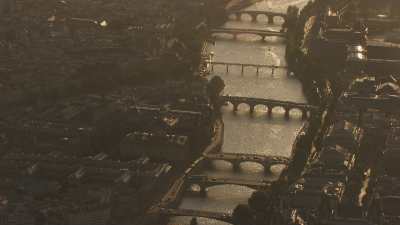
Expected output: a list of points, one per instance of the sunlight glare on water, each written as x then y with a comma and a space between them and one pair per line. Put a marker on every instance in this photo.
257, 134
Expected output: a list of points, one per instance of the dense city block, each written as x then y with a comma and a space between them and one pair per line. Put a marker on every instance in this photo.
115, 112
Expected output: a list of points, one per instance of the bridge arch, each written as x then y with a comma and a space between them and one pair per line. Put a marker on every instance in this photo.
260, 107
280, 19
236, 160
251, 16
262, 17
204, 188
270, 16
236, 164
278, 168
298, 112
267, 165
236, 105
276, 109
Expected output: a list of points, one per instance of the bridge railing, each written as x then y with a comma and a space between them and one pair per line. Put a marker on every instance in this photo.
266, 101
261, 33
242, 66
248, 31
205, 181
258, 12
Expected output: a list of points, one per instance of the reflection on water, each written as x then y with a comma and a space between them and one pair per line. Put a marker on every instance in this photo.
245, 133
259, 134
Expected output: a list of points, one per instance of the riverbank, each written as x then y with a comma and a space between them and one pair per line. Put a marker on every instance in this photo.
175, 192
257, 134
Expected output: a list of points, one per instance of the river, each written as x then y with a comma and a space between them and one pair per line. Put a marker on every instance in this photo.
244, 133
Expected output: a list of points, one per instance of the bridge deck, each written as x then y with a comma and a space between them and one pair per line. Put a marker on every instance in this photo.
245, 64
248, 31
267, 102
213, 181
246, 157
270, 13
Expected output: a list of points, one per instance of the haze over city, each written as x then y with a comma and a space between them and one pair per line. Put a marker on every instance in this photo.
199, 112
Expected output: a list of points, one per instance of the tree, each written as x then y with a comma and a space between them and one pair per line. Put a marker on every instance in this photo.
214, 88
259, 201
242, 215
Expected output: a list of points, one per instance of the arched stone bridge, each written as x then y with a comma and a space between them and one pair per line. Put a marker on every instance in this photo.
236, 159
167, 212
205, 182
255, 13
235, 32
269, 104
244, 65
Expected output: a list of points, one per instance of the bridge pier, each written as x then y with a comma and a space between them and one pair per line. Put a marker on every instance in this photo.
287, 113
263, 38
257, 71
242, 70
238, 16
227, 68
304, 114
269, 111
252, 108
270, 19
273, 70
235, 36
235, 107
253, 18
267, 168
203, 191
236, 166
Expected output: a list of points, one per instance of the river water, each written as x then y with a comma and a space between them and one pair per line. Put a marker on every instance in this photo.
256, 134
